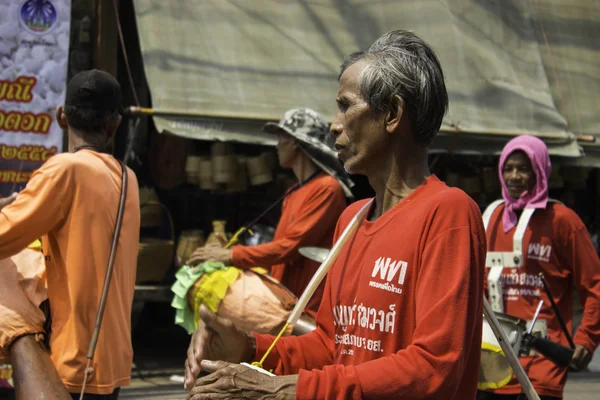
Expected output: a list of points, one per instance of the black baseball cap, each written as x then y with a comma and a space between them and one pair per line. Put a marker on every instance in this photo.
94, 89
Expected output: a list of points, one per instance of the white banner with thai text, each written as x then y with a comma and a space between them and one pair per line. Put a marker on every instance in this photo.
34, 54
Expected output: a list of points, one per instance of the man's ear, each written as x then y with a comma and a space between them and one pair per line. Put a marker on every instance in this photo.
394, 115
295, 145
61, 118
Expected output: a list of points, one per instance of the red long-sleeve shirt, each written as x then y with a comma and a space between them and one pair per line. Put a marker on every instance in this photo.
401, 315
308, 218
558, 245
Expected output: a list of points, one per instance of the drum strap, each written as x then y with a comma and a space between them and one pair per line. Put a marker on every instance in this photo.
487, 214
273, 205
498, 260
108, 277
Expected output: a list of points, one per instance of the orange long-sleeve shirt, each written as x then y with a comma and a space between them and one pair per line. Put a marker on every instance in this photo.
401, 316
308, 218
73, 200
558, 245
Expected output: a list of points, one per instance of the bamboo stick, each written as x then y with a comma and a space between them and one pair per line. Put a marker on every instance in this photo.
158, 112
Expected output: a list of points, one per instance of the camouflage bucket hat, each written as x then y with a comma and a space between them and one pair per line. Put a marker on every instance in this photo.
311, 131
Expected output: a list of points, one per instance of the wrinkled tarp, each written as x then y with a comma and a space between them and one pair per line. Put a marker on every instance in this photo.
511, 66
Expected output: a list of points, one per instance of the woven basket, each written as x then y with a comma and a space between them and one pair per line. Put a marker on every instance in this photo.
259, 170
155, 256
241, 177
205, 174
221, 149
189, 241
150, 215
192, 165
154, 259
224, 168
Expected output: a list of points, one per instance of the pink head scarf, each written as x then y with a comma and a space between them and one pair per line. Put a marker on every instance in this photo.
537, 152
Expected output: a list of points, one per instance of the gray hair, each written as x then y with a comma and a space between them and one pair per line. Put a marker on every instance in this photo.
400, 63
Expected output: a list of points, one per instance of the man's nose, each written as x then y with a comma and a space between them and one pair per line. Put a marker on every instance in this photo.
336, 127
513, 175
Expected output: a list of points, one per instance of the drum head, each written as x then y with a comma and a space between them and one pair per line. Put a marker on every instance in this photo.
494, 370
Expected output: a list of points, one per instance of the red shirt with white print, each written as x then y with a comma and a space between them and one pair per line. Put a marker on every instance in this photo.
401, 315
557, 244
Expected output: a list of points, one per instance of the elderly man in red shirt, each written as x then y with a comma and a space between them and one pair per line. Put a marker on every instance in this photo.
401, 315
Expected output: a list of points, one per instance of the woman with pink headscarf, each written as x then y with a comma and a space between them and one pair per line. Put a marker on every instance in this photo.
556, 244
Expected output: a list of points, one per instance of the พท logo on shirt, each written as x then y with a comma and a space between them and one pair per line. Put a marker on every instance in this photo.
389, 274
540, 252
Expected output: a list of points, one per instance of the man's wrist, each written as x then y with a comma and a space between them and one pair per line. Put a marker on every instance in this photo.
230, 261
586, 344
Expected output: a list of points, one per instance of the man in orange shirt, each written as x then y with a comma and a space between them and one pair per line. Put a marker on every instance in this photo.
310, 208
73, 200
401, 315
556, 244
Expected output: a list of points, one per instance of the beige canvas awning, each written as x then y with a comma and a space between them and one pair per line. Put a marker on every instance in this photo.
512, 66
568, 32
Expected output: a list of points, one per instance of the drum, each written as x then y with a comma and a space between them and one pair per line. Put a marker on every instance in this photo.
253, 302
495, 370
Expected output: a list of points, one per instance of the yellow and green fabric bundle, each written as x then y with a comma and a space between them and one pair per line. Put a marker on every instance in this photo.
215, 279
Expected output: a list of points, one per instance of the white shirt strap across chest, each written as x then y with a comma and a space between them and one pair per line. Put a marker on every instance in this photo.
497, 260
514, 258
